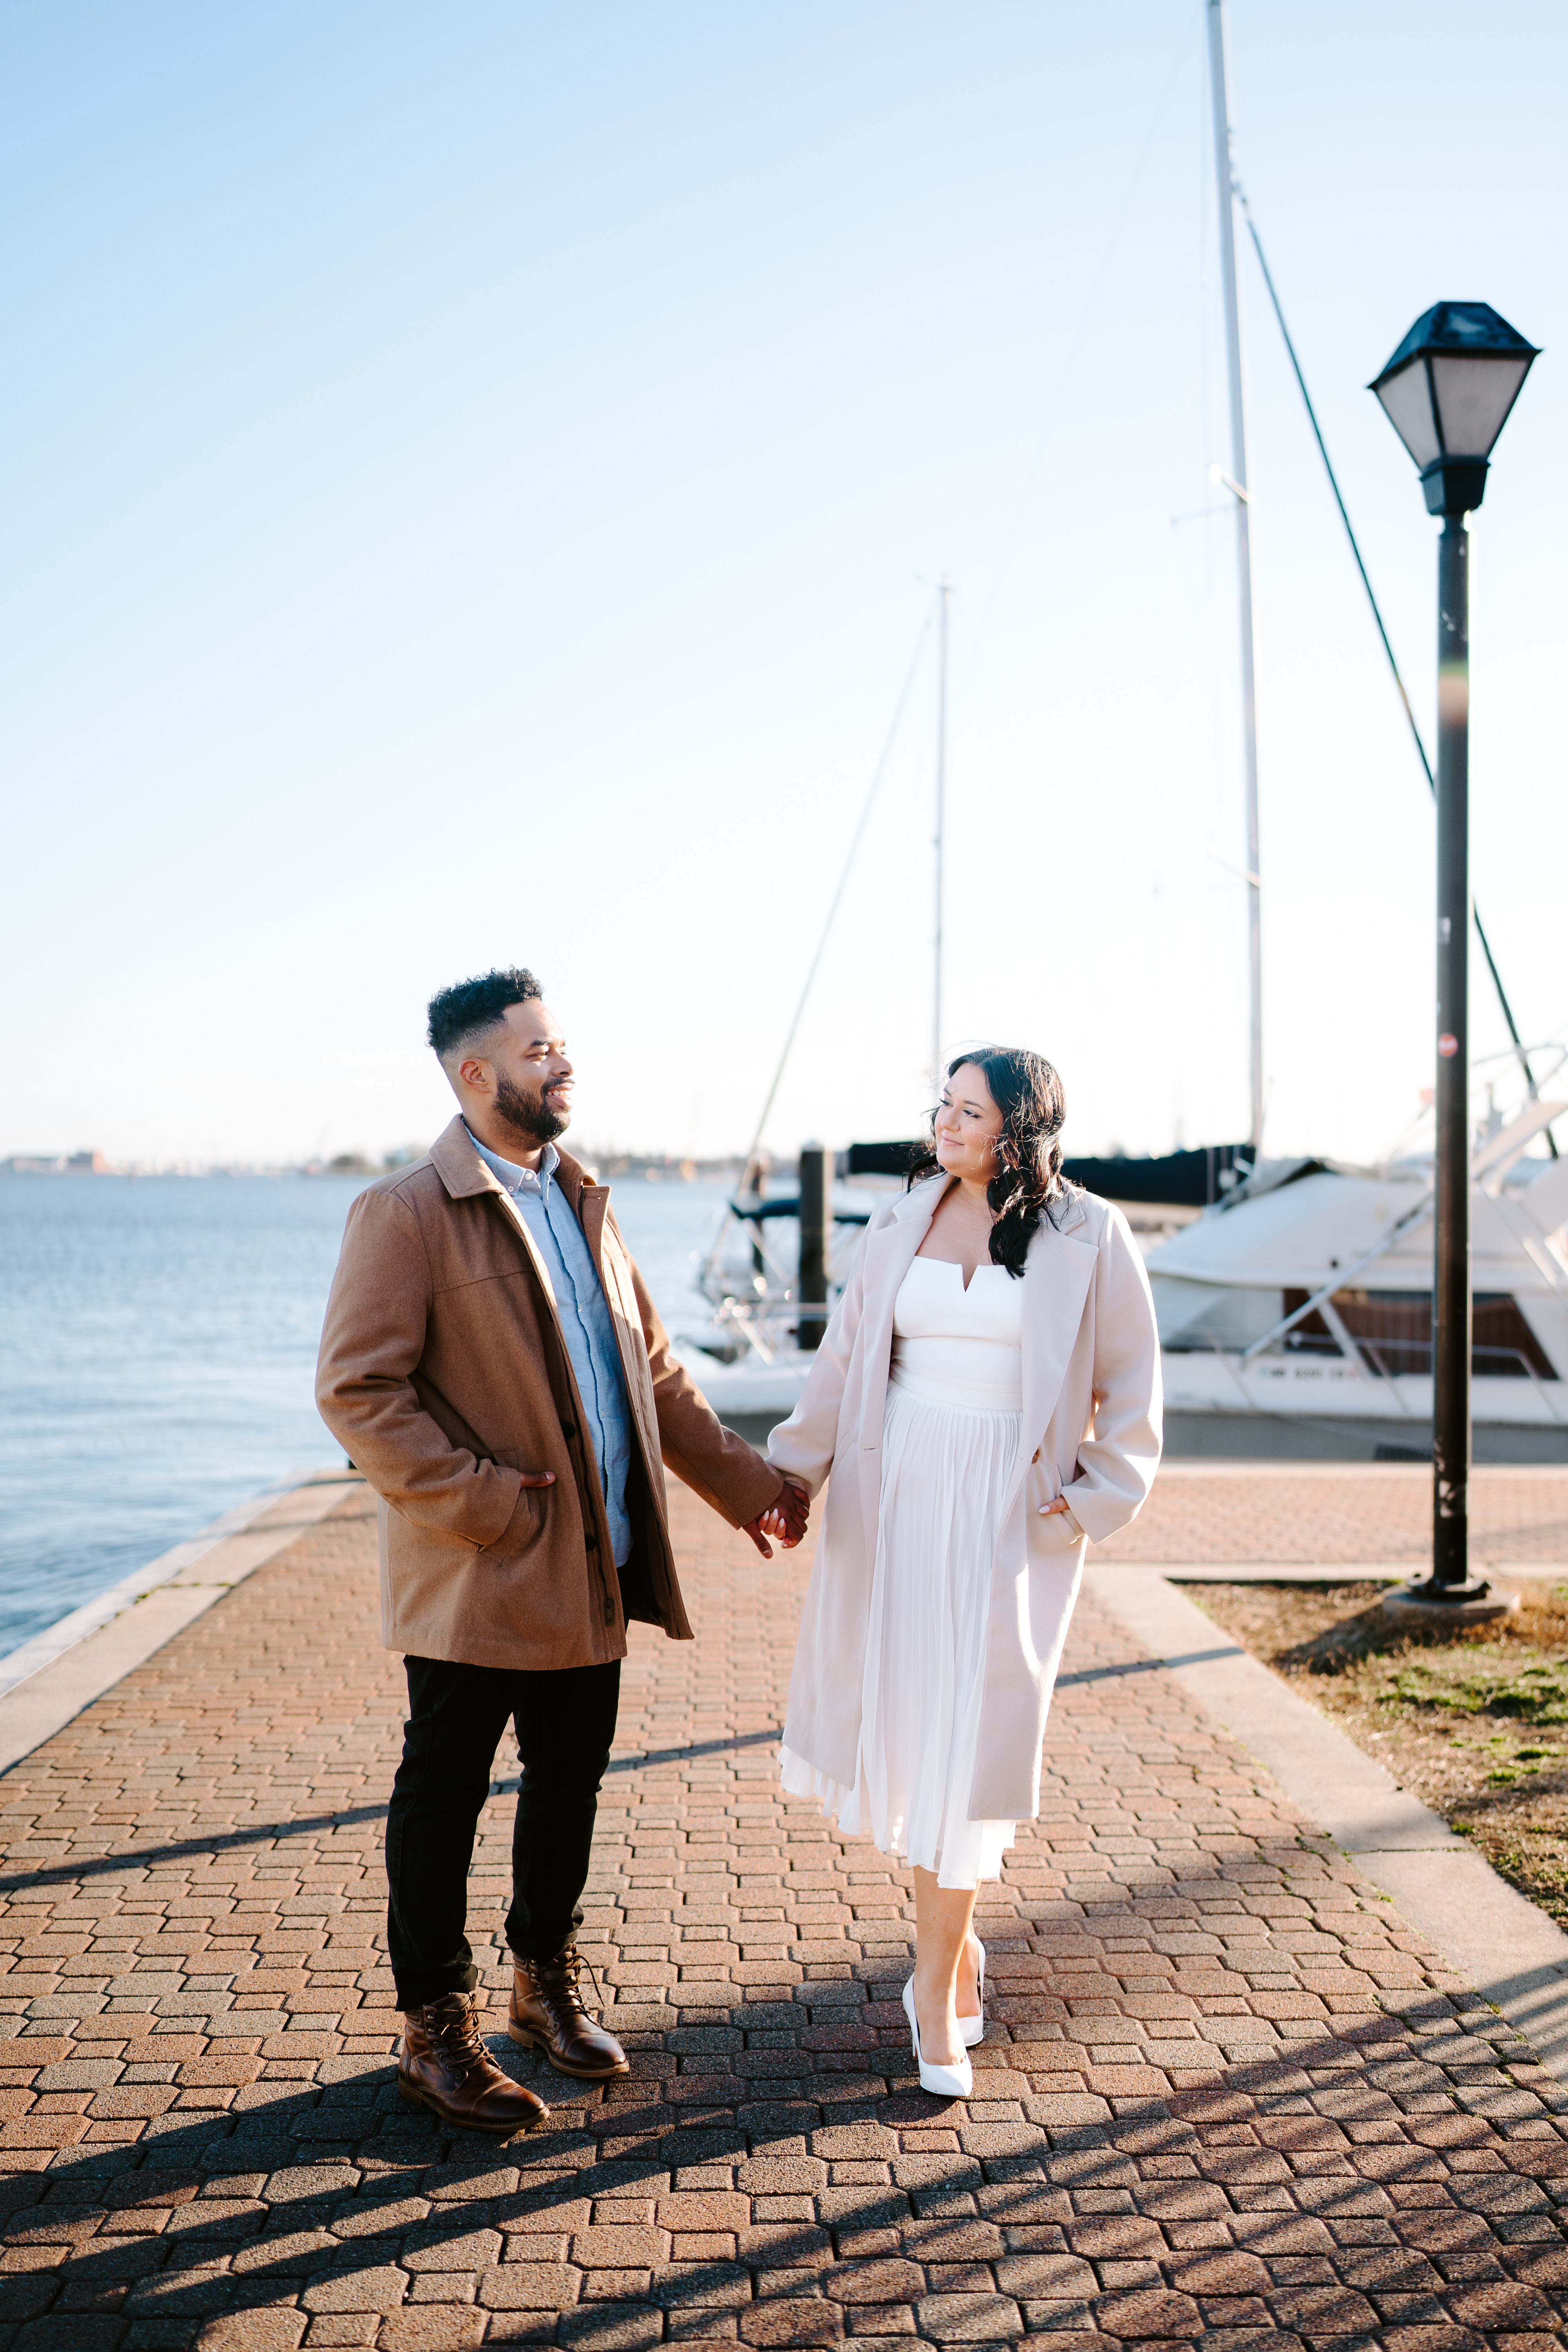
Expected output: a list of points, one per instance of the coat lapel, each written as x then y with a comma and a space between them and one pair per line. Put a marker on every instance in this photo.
1057, 1275
591, 1203
890, 1251
536, 1258
465, 1174
614, 1272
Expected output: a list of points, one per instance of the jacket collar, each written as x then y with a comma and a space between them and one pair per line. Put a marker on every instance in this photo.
458, 1165
1072, 1214
923, 1200
463, 1173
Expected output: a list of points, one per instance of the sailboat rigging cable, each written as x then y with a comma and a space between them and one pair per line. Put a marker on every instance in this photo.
1240, 489
939, 844
881, 769
1416, 735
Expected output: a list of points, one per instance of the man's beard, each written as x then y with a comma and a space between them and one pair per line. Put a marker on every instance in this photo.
527, 1114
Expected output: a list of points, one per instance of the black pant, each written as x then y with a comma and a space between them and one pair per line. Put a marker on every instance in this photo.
565, 1722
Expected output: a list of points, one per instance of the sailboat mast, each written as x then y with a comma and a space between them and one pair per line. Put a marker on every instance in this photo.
940, 817
1238, 488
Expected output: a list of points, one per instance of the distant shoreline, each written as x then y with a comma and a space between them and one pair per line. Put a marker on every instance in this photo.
651, 1168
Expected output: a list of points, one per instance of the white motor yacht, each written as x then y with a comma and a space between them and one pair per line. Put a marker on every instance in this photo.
1295, 1314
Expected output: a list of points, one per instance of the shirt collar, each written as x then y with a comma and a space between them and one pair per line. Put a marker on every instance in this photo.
515, 1178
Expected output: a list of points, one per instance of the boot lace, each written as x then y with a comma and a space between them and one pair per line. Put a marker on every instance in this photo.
569, 1967
459, 2034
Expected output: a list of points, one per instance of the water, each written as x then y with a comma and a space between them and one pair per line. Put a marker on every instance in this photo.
157, 1357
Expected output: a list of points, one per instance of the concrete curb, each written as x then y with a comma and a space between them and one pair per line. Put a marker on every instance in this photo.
50, 1679
1516, 1957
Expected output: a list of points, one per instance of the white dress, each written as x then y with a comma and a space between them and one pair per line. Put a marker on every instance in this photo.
950, 1440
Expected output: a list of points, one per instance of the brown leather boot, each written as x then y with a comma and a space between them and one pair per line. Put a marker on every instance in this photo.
547, 2013
445, 2066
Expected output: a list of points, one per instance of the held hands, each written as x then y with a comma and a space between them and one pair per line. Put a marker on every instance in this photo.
784, 1517
790, 1510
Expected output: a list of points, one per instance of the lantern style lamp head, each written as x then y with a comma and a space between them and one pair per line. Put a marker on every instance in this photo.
1447, 391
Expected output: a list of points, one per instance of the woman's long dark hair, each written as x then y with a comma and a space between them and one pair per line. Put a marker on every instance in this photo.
1028, 1180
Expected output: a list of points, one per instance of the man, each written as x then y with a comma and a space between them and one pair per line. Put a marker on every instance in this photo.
493, 1364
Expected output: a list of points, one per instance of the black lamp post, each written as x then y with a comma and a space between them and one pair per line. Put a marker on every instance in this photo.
1447, 392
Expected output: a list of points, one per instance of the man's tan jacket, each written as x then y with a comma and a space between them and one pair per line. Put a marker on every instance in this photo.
444, 1374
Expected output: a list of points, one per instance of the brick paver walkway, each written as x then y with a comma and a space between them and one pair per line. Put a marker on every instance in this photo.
1310, 1512
1226, 2099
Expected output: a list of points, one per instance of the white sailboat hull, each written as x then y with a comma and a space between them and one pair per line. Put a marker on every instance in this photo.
749, 1389
1304, 1301
1330, 1387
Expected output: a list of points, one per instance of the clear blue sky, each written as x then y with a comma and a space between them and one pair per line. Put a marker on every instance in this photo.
471, 480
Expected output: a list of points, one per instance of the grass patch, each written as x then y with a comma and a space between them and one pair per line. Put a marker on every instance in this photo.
1465, 1721
1489, 1680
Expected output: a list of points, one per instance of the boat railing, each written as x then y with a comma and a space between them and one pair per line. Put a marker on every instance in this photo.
1317, 1299
763, 1326
1368, 1349
1484, 1360
769, 1291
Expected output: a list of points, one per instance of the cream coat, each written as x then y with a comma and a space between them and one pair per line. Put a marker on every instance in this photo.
1091, 1431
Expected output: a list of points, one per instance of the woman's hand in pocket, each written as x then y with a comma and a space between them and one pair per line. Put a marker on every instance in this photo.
1072, 1531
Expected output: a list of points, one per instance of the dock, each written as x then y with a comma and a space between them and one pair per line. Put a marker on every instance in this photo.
1230, 2096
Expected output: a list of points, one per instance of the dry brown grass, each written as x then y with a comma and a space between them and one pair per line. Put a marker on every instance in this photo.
1475, 1724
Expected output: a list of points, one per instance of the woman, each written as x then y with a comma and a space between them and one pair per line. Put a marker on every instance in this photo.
987, 1397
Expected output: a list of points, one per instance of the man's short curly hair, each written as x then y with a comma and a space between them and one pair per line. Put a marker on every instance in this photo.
471, 1007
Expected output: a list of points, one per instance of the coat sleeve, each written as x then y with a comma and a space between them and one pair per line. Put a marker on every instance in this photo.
805, 1443
1117, 1462
371, 1342
731, 1476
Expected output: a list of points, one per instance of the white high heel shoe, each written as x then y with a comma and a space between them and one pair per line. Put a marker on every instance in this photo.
946, 2082
974, 2028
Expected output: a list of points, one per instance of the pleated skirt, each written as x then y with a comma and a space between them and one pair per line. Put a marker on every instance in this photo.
944, 1472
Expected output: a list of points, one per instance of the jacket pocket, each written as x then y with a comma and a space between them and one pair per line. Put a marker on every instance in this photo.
526, 1524
511, 1457
1055, 1537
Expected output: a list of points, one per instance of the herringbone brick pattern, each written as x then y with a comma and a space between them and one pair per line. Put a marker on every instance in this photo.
1226, 2097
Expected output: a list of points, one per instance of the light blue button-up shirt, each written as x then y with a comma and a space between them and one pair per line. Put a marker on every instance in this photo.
586, 1325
